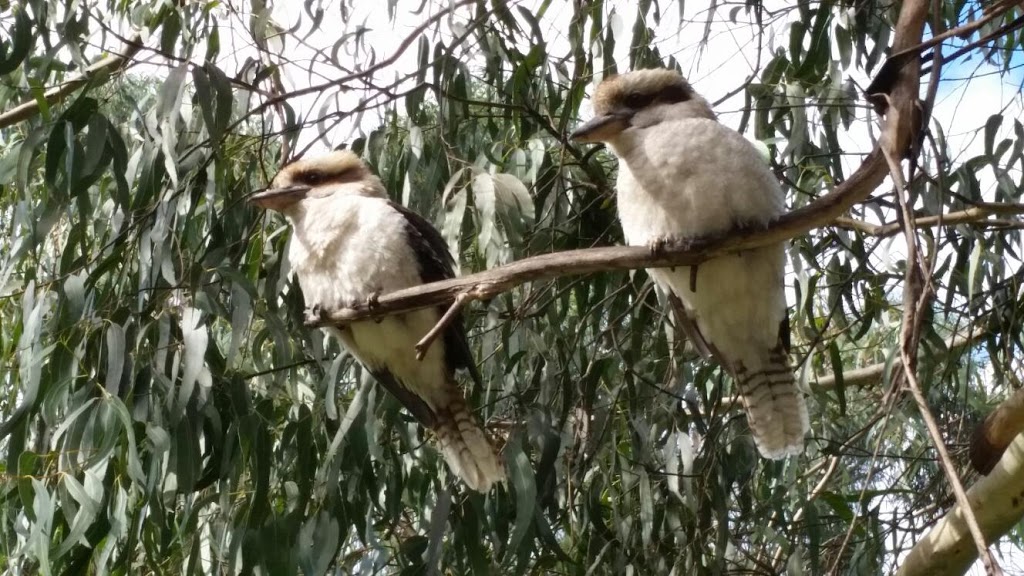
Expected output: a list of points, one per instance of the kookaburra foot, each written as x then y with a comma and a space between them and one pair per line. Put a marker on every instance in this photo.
373, 304
314, 316
657, 246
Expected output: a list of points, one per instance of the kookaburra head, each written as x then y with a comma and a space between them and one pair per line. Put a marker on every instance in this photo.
341, 171
640, 99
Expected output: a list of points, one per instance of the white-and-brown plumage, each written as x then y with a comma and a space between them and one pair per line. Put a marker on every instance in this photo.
350, 243
683, 175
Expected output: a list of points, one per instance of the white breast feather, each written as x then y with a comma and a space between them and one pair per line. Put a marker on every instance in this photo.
348, 247
692, 177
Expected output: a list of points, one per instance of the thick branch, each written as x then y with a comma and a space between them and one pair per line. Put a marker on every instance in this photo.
106, 65
490, 283
997, 431
998, 505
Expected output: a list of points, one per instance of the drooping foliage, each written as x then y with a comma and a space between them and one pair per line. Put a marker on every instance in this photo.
164, 409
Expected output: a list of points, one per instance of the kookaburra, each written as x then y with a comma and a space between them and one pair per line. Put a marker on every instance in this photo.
351, 243
684, 175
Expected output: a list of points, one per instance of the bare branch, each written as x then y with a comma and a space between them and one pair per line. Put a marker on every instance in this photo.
492, 282
973, 214
997, 431
873, 374
917, 292
994, 11
104, 66
367, 72
423, 345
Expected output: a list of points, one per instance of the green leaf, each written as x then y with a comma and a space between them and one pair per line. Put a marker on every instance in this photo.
991, 128
196, 339
815, 62
88, 508
115, 358
21, 42
837, 371
646, 508
31, 356
525, 489
438, 523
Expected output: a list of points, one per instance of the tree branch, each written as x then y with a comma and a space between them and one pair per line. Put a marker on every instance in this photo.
976, 213
874, 373
106, 65
490, 283
964, 31
998, 505
997, 431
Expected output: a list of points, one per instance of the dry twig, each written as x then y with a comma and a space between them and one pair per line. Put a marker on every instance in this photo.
916, 297
424, 344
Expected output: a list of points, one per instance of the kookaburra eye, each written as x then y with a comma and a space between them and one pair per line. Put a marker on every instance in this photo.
636, 100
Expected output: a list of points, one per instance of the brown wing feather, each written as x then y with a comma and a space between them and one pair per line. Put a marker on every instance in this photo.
436, 263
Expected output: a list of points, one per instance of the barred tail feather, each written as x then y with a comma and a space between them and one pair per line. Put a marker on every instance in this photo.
775, 408
466, 448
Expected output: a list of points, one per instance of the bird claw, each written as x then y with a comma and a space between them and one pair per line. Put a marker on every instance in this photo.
314, 316
657, 246
373, 304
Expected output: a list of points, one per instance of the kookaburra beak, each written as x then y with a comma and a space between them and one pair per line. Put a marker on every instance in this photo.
602, 128
278, 198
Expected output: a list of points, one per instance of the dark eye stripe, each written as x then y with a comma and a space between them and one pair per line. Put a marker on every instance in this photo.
316, 177
636, 100
674, 93
311, 177
669, 95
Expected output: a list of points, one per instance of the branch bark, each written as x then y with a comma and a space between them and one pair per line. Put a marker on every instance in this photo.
106, 65
977, 213
874, 373
997, 432
490, 283
998, 504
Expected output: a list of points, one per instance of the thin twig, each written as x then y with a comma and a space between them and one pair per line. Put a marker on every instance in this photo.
424, 344
997, 10
833, 465
976, 213
915, 293
945, 548
367, 72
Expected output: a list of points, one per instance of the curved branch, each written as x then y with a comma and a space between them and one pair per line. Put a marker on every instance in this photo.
106, 65
490, 283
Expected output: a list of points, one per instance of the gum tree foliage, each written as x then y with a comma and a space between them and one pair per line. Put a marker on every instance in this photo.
164, 409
